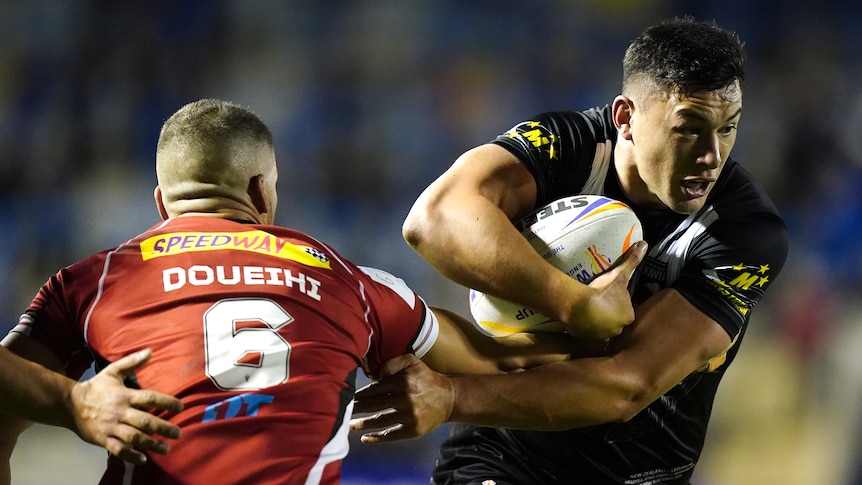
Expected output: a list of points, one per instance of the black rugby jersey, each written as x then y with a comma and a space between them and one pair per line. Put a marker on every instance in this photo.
721, 258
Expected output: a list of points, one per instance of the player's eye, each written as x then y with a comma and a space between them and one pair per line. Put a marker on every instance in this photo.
689, 130
727, 130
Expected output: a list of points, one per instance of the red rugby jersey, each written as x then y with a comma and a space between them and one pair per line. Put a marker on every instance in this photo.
258, 329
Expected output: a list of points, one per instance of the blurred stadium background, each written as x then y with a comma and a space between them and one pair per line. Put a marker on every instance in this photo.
370, 100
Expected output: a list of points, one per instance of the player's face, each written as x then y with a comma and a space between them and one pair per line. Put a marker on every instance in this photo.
680, 143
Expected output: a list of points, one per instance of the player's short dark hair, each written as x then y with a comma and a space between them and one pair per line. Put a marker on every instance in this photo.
686, 54
213, 122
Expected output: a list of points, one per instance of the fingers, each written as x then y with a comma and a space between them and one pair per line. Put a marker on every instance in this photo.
132, 449
632, 258
130, 439
394, 433
155, 400
120, 418
129, 444
122, 451
129, 363
143, 399
386, 393
133, 437
377, 420
151, 425
397, 364
374, 397
389, 426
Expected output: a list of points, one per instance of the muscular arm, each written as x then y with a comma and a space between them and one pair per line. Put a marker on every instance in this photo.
32, 391
462, 225
479, 354
669, 340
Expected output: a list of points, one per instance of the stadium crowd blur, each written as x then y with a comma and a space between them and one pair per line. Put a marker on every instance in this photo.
370, 100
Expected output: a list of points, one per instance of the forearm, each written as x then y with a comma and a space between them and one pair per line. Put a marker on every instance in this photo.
415, 399
551, 397
34, 392
670, 340
480, 354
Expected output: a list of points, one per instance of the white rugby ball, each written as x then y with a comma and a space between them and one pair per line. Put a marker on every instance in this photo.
581, 235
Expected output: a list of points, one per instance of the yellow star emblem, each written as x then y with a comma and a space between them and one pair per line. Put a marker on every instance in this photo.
763, 268
552, 151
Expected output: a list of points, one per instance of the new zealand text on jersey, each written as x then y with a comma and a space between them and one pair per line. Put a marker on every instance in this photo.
201, 275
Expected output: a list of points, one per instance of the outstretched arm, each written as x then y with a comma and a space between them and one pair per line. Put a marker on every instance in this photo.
101, 410
669, 340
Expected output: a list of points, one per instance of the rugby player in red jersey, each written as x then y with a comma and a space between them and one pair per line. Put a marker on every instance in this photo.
258, 329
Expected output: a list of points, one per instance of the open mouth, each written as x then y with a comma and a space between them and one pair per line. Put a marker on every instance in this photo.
696, 188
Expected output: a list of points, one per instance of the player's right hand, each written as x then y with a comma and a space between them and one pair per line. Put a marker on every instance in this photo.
109, 414
609, 308
409, 401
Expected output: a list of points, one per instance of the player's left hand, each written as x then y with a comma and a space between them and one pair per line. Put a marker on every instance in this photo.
109, 414
409, 401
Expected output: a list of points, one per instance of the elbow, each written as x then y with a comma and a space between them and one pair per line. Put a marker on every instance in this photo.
411, 230
416, 229
632, 399
620, 406
624, 411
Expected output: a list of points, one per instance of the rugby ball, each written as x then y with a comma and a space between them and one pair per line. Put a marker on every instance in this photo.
581, 235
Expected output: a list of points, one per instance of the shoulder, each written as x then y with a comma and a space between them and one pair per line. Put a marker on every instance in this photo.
746, 214
87, 269
561, 148
737, 191
550, 126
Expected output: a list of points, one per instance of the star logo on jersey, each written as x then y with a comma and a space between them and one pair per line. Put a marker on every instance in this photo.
537, 135
740, 284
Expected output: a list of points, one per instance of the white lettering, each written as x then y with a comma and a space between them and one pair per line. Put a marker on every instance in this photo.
235, 275
168, 276
253, 275
312, 292
200, 275
290, 280
273, 273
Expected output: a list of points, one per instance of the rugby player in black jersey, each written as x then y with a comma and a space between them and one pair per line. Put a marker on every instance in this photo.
637, 412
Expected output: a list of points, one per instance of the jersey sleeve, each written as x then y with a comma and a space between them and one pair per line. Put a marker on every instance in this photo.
560, 149
732, 267
51, 316
400, 320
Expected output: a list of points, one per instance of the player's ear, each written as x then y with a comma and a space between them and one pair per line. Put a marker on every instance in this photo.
622, 110
257, 192
160, 204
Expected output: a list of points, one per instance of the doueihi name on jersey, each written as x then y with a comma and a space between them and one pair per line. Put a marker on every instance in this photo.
202, 275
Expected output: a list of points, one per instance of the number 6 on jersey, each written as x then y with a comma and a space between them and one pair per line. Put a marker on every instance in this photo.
244, 350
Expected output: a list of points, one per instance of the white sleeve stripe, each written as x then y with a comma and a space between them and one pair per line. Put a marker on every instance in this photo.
428, 332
